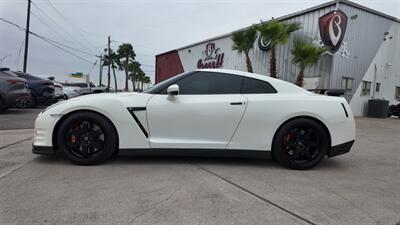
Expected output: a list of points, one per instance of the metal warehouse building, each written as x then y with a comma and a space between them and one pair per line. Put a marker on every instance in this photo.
364, 56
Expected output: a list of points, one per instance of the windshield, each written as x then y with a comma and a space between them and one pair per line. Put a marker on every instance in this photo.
164, 84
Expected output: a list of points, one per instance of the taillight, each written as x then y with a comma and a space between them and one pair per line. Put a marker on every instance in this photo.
13, 81
48, 83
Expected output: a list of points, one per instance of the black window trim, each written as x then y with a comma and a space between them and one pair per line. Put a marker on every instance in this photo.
162, 88
251, 78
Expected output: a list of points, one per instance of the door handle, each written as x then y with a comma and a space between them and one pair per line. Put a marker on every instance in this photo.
237, 103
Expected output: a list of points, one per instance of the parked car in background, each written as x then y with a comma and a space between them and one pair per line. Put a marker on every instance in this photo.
59, 92
87, 88
13, 90
71, 92
58, 89
42, 89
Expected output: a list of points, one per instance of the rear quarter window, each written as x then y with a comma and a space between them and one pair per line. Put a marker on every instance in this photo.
255, 86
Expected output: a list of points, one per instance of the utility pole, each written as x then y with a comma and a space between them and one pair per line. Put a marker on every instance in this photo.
28, 18
101, 70
109, 64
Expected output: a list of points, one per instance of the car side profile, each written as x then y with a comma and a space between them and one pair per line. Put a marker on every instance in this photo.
203, 112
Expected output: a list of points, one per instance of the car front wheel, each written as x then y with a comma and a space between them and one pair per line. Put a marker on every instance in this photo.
300, 144
87, 138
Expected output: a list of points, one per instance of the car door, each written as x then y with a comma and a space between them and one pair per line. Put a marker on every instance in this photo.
204, 115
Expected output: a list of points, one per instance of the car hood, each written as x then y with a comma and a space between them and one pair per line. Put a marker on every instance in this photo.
100, 102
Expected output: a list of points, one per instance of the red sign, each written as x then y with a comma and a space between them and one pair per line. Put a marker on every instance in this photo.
213, 58
332, 27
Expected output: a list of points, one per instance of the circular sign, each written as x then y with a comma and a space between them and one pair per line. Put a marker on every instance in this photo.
264, 45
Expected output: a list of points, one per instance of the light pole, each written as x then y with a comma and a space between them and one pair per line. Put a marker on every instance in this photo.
2, 59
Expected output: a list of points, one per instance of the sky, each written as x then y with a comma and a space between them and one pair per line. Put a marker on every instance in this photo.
152, 27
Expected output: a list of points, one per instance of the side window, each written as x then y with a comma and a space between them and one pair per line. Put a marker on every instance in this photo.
254, 86
202, 83
366, 88
347, 85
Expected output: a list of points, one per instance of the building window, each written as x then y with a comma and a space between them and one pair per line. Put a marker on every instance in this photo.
397, 93
347, 85
377, 87
366, 88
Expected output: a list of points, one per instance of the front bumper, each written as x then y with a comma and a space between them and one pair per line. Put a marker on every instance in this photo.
43, 150
44, 126
340, 149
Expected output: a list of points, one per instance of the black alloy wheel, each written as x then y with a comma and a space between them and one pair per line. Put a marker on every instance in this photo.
300, 144
87, 138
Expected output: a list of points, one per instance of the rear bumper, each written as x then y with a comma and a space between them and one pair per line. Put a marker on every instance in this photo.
340, 149
43, 150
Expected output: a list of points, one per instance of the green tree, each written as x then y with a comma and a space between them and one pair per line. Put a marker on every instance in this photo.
140, 78
146, 80
243, 42
277, 33
126, 55
111, 60
305, 55
134, 72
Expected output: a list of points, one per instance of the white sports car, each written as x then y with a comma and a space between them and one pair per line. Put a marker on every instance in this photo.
203, 112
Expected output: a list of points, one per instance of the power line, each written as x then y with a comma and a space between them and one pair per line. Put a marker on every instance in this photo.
54, 43
69, 22
60, 27
91, 69
41, 20
48, 39
19, 53
44, 39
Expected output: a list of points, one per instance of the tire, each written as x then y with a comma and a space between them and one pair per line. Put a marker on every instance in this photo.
87, 138
300, 144
31, 102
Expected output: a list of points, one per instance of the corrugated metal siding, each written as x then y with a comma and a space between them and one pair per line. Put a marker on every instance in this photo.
260, 59
287, 70
364, 36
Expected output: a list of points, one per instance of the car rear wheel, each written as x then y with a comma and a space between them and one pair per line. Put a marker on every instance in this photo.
87, 138
300, 144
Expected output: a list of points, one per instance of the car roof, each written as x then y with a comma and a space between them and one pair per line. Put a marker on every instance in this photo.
280, 85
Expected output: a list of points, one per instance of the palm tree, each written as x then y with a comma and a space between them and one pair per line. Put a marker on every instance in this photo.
243, 42
277, 33
146, 80
134, 70
305, 55
126, 55
140, 78
110, 60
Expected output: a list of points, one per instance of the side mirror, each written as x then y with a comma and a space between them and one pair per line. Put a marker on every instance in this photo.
173, 89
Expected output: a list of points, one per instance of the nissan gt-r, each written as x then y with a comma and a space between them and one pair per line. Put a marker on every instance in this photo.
203, 112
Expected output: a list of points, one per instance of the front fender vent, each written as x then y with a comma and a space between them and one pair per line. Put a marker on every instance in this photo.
132, 110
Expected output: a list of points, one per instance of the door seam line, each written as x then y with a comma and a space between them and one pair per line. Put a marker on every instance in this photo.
240, 121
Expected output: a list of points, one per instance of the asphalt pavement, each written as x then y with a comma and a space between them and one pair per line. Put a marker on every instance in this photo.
18, 118
361, 187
